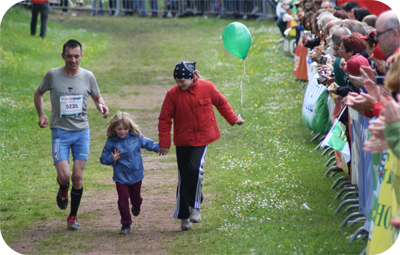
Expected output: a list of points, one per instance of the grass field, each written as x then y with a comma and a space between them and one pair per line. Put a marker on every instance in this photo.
257, 175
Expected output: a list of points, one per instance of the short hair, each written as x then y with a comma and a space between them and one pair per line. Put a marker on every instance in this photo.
121, 118
324, 18
392, 22
339, 33
370, 20
72, 44
354, 43
360, 13
330, 25
355, 26
341, 14
351, 5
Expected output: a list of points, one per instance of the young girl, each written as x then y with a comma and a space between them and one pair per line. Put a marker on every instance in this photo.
190, 105
122, 151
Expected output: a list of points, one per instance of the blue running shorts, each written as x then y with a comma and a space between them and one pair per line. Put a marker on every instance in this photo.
63, 141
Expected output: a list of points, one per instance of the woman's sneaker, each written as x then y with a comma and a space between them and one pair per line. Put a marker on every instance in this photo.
135, 211
195, 215
186, 224
73, 223
125, 229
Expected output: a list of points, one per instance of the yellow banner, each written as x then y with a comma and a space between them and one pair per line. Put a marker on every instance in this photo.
387, 208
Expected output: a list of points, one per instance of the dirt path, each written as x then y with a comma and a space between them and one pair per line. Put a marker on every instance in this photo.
99, 212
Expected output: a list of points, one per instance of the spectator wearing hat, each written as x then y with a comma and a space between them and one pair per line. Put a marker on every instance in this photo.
354, 64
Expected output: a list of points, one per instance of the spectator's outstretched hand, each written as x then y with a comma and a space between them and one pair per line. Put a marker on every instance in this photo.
332, 88
369, 71
328, 80
373, 90
377, 126
375, 145
391, 110
359, 81
361, 102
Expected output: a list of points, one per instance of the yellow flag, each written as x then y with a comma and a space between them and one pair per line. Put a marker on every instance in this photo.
382, 237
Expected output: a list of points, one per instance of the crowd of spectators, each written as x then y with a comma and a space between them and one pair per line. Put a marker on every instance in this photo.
363, 67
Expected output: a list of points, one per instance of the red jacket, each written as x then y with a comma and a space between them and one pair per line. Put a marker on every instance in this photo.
39, 1
193, 114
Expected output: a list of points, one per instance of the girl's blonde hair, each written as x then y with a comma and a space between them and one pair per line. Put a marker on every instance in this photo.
197, 74
121, 118
392, 78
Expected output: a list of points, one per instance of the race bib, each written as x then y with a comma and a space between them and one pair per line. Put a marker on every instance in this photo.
71, 106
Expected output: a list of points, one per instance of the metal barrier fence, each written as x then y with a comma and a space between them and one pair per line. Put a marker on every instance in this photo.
170, 8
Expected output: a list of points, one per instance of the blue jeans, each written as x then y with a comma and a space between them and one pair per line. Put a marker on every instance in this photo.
43, 8
101, 12
154, 8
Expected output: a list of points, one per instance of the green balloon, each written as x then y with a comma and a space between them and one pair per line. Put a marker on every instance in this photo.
237, 39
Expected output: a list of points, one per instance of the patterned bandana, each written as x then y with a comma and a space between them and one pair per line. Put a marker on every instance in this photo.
184, 70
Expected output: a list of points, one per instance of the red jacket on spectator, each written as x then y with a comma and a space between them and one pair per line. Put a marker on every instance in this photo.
39, 1
193, 114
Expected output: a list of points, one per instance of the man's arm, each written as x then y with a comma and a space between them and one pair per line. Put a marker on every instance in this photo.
38, 99
101, 105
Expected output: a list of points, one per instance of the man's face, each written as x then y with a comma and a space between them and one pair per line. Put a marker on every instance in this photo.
385, 39
336, 50
72, 58
343, 52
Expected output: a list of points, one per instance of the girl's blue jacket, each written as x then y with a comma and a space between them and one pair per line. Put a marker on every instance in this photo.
128, 169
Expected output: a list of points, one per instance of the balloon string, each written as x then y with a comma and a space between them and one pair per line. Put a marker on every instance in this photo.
241, 87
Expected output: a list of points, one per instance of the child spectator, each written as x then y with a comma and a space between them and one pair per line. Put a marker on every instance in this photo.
122, 151
190, 105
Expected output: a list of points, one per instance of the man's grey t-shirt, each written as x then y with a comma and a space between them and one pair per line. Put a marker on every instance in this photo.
69, 96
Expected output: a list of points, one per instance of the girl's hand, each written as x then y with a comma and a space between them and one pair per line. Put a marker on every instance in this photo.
116, 154
163, 151
239, 121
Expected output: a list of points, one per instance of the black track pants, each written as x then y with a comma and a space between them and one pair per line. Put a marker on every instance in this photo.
190, 177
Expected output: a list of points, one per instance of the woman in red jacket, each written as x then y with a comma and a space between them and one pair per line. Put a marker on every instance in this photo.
190, 105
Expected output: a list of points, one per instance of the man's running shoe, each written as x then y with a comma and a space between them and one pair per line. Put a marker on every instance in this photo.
62, 198
135, 211
125, 230
73, 223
